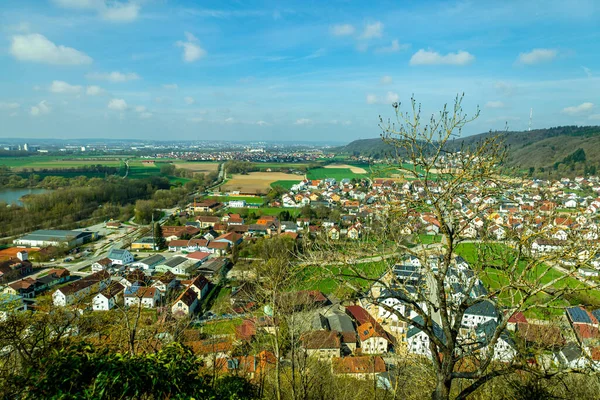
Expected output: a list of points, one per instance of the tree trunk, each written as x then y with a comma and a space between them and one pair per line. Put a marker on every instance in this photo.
442, 388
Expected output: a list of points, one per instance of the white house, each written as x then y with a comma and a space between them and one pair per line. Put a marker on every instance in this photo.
101, 264
120, 256
108, 298
185, 304
237, 203
148, 297
372, 340
479, 314
418, 341
77, 290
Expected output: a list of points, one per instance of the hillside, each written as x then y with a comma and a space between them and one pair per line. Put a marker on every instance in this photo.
540, 148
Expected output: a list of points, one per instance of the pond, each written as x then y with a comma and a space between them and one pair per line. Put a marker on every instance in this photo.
12, 195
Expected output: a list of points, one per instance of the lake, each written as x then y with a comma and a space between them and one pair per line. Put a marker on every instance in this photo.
11, 195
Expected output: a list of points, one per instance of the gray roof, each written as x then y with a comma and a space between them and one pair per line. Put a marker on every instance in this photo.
571, 352
55, 235
483, 308
117, 254
437, 330
175, 261
340, 322
153, 260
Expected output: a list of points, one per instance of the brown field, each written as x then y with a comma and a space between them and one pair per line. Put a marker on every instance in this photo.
198, 166
11, 252
356, 170
256, 182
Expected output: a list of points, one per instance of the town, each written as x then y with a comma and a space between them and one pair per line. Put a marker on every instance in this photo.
194, 264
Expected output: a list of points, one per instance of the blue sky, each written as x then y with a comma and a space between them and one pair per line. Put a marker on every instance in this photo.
306, 70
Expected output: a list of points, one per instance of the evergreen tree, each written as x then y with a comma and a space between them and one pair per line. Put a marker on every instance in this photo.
159, 240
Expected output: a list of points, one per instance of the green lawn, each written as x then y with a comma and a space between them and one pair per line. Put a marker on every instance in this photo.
50, 162
285, 184
494, 277
336, 173
428, 239
224, 327
323, 278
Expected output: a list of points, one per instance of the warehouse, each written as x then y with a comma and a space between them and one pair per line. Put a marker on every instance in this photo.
44, 237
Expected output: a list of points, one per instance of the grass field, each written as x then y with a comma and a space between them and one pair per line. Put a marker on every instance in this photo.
337, 173
255, 182
494, 277
323, 278
50, 162
285, 184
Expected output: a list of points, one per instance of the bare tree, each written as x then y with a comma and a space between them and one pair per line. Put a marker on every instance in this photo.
451, 188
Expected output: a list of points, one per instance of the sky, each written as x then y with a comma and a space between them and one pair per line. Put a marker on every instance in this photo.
290, 70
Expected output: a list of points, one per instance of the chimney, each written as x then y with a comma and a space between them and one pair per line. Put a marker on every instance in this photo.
23, 255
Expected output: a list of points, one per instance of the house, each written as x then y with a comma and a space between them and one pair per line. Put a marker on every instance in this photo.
214, 267
372, 339
15, 267
120, 256
178, 265
185, 304
418, 341
207, 206
145, 243
77, 290
44, 238
113, 224
571, 356
24, 288
52, 278
323, 345
363, 368
108, 298
199, 285
254, 367
504, 349
479, 313
147, 297
207, 221
333, 233
165, 282
198, 256
102, 264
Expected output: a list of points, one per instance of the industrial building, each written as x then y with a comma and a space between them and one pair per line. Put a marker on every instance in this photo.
48, 237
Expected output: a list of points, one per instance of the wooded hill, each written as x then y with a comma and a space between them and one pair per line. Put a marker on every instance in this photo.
564, 149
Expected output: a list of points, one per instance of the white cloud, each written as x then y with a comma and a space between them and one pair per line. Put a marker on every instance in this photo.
537, 56
41, 108
64, 87
109, 10
94, 90
114, 77
117, 105
262, 123
494, 104
170, 86
79, 4
371, 99
9, 106
140, 109
303, 121
191, 49
374, 30
196, 119
120, 12
393, 48
582, 108
20, 27
386, 80
428, 57
588, 72
342, 30
391, 97
505, 88
145, 115
189, 100
338, 122
595, 117
37, 48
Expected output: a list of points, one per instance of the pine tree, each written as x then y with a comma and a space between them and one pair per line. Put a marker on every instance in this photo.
159, 240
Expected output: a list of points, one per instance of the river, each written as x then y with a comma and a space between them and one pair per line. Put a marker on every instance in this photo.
12, 195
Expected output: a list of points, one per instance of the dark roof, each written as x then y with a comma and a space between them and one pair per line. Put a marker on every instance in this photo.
578, 315
340, 322
483, 308
437, 330
571, 352
321, 340
175, 261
